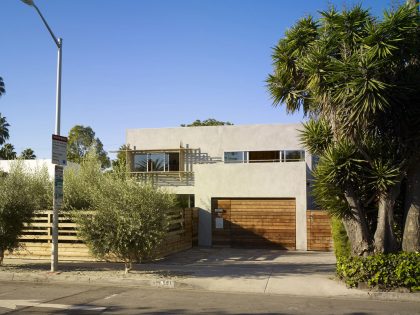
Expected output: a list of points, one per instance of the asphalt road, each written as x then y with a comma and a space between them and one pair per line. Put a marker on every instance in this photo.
72, 298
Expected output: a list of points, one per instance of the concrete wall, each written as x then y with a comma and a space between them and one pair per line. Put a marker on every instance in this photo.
253, 180
215, 140
32, 165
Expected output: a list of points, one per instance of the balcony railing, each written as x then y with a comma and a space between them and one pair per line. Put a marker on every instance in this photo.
175, 178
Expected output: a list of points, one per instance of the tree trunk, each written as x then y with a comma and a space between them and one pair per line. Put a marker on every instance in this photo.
411, 236
128, 266
356, 226
384, 239
1, 256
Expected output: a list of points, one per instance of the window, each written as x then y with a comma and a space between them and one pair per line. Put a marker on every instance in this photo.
264, 156
235, 157
293, 156
156, 162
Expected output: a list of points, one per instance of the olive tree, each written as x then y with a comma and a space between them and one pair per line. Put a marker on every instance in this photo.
22, 192
129, 221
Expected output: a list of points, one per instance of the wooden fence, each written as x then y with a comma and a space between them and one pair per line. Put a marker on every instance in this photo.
319, 230
37, 237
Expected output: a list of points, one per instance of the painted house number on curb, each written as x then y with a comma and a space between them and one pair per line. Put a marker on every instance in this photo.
164, 283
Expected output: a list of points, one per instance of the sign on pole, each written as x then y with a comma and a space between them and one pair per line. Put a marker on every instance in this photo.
59, 150
58, 187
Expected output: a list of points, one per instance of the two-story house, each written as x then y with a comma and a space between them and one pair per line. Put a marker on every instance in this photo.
249, 182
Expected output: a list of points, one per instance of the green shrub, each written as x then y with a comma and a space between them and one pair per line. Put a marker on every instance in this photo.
384, 271
80, 181
22, 192
341, 241
129, 220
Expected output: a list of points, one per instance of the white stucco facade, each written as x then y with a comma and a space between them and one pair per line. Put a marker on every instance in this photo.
215, 179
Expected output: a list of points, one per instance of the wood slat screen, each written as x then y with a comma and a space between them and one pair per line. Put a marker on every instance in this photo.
36, 239
319, 230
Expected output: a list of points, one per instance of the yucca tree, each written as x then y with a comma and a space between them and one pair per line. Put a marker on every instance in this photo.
357, 78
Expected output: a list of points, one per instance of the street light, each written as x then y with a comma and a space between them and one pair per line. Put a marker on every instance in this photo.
59, 43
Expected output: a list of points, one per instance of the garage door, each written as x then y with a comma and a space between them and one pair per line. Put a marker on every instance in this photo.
254, 222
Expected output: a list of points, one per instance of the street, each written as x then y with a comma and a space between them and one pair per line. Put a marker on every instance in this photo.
73, 298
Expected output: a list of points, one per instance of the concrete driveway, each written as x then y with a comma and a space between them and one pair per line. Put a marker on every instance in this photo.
257, 270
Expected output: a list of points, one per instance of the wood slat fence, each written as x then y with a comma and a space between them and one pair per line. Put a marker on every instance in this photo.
319, 230
37, 237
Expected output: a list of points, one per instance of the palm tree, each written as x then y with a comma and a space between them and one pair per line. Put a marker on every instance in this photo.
28, 154
358, 75
2, 89
7, 152
4, 130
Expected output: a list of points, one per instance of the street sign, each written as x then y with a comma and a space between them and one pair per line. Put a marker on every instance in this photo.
58, 187
59, 150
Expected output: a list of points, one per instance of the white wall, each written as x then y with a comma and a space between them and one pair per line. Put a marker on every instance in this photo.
215, 140
31, 165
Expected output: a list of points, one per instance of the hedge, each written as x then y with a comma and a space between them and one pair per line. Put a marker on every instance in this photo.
383, 271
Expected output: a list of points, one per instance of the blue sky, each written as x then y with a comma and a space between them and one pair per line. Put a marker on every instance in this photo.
141, 64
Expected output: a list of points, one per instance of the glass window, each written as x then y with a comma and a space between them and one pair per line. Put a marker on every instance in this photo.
173, 162
156, 162
293, 156
235, 157
140, 162
264, 156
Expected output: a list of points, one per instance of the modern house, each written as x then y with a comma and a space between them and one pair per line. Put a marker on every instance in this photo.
249, 182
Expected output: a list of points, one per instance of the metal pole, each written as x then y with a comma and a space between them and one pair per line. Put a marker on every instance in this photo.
54, 245
58, 96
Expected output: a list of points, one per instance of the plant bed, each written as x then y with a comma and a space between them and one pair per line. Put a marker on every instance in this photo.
385, 272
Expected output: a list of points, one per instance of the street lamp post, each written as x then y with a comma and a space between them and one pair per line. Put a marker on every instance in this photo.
59, 43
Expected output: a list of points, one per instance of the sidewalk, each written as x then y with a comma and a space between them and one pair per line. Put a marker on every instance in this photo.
216, 269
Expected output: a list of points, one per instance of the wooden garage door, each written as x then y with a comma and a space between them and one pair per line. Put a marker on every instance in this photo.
256, 223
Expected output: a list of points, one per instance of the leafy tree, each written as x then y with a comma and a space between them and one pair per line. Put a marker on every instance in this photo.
207, 122
7, 152
28, 154
2, 88
79, 182
22, 192
4, 130
356, 77
121, 161
129, 220
81, 140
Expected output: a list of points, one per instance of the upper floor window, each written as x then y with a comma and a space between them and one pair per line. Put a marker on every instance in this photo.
235, 157
264, 156
293, 155
156, 162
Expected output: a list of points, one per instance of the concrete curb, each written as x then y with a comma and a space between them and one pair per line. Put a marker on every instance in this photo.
118, 281
204, 285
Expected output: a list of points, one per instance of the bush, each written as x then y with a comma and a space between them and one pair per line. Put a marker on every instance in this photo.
22, 192
383, 271
79, 181
341, 241
129, 220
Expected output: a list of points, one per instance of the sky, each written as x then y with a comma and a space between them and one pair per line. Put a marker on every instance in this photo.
143, 64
